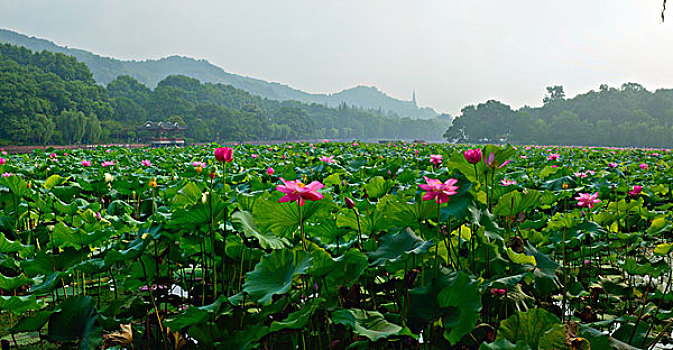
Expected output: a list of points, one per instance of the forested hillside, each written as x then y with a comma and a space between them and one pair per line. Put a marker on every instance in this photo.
52, 98
151, 72
625, 116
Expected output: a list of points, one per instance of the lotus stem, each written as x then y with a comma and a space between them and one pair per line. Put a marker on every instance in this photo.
301, 227
490, 202
642, 309
661, 301
154, 305
565, 274
357, 218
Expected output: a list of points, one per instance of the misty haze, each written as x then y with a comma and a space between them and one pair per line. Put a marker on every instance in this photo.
377, 174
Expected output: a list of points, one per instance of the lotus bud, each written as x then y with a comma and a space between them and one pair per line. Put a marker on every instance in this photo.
224, 154
473, 156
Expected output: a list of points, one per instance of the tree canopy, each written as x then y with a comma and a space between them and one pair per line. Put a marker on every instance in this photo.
625, 116
49, 97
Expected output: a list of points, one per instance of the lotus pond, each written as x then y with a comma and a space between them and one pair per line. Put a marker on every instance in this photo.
336, 246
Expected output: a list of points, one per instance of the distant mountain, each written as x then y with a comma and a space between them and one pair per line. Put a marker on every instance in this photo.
150, 72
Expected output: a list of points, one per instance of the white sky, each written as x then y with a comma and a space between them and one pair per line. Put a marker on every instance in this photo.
452, 52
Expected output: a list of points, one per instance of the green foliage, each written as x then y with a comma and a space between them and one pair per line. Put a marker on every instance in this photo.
274, 274
529, 327
221, 263
369, 324
76, 321
625, 116
63, 105
398, 246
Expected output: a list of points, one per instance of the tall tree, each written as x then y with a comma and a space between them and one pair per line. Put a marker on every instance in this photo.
554, 93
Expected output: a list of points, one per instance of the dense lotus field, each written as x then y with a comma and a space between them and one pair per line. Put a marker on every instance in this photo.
336, 246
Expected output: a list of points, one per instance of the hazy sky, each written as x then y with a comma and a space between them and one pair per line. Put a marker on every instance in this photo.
452, 52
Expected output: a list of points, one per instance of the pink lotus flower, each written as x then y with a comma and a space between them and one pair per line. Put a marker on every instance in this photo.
581, 175
53, 155
437, 190
612, 165
325, 140
587, 200
3, 161
269, 171
107, 163
199, 164
436, 159
224, 154
254, 156
498, 291
86, 162
297, 191
355, 144
107, 151
490, 162
350, 204
7, 174
327, 159
523, 156
473, 156
416, 153
637, 189
506, 182
146, 163
553, 156
644, 166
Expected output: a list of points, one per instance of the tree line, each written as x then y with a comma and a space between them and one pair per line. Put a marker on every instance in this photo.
626, 116
51, 98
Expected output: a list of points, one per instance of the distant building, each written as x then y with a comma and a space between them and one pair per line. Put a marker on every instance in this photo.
165, 133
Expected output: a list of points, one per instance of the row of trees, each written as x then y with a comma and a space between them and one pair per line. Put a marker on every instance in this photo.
217, 111
52, 98
625, 116
47, 98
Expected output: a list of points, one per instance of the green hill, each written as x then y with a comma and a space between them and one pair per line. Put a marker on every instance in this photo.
51, 98
151, 72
